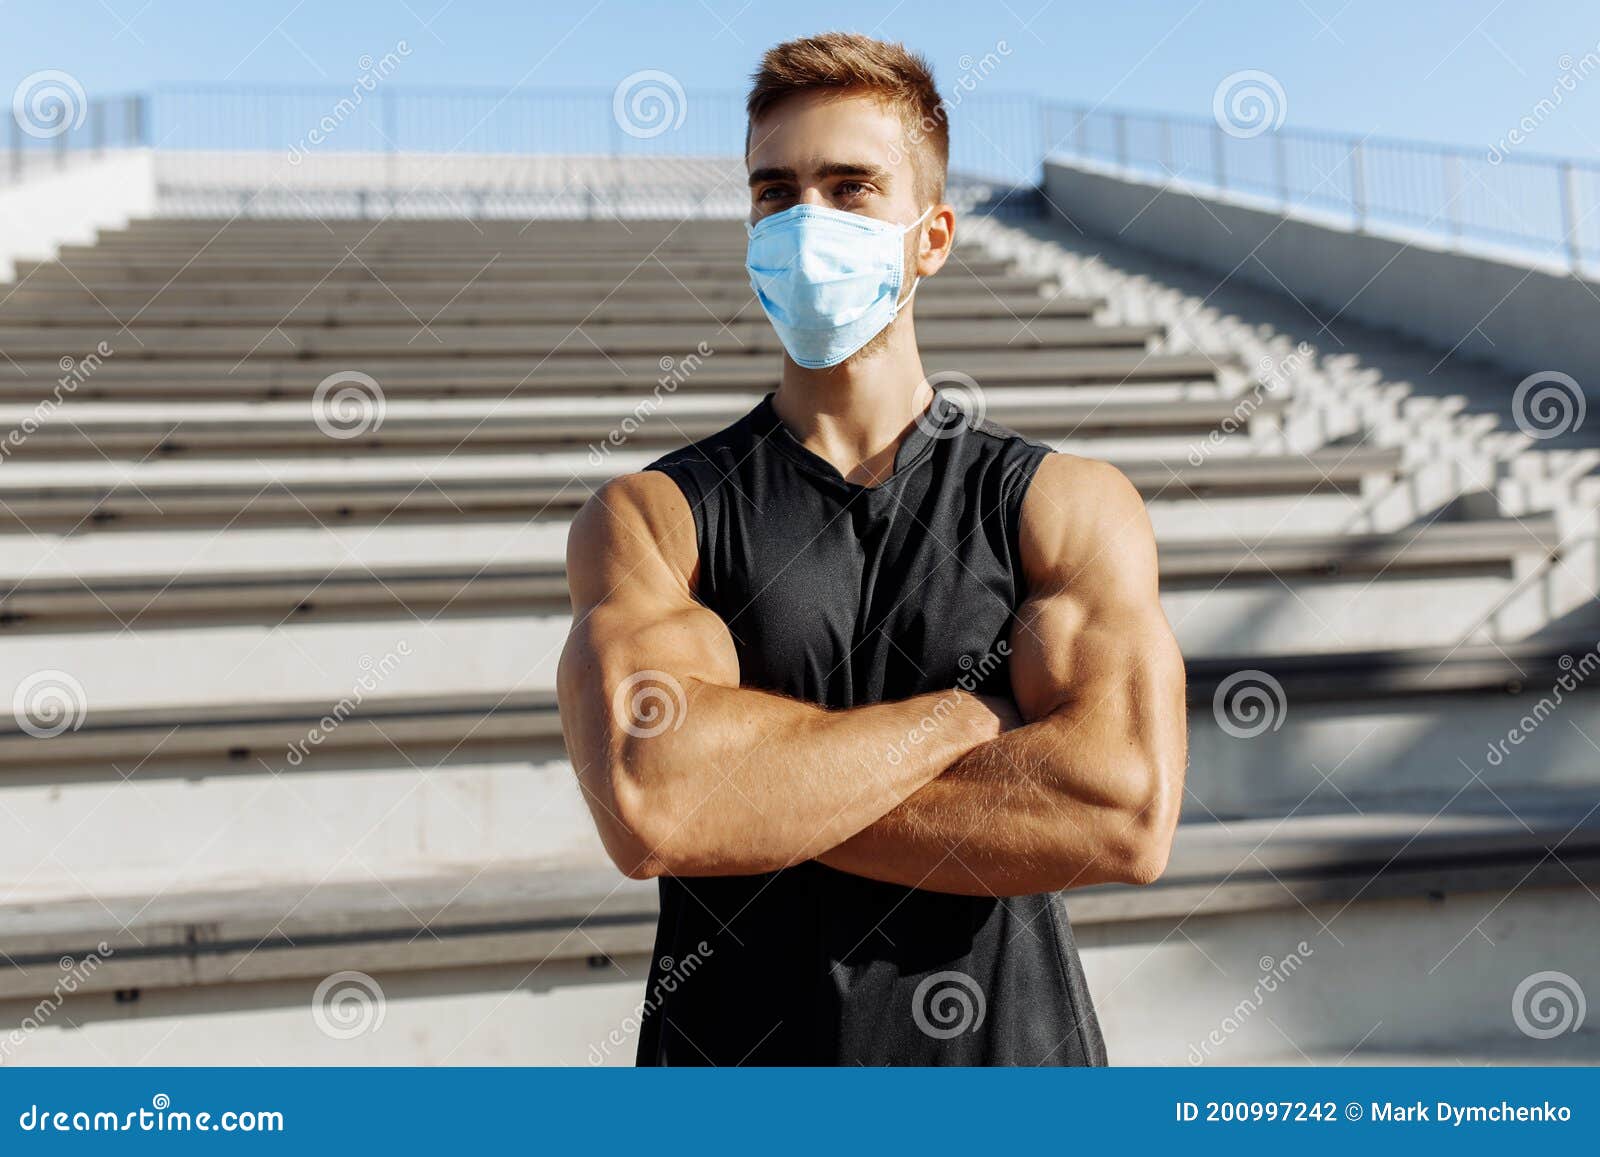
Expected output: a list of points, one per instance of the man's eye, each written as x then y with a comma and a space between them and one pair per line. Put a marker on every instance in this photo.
772, 194
851, 188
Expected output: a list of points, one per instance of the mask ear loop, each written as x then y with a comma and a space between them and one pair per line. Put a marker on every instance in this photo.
917, 279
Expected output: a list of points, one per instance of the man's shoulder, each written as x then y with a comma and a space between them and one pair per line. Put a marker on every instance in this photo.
1082, 518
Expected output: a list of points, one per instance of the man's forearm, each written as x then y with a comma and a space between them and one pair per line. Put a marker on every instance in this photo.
753, 782
1040, 808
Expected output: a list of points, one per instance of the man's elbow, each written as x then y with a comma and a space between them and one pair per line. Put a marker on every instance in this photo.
1142, 848
634, 828
1144, 863
658, 832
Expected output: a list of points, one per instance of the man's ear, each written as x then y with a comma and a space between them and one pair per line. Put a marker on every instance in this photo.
937, 239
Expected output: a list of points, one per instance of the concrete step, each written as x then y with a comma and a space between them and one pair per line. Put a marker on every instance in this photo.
428, 374
633, 232
752, 335
1486, 688
297, 311
630, 294
452, 915
1345, 733
1323, 490
511, 644
370, 424
477, 570
312, 269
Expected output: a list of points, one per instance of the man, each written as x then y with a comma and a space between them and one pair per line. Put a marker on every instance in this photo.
866, 682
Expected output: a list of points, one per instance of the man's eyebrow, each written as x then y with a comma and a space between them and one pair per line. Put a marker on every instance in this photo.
854, 169
771, 173
861, 169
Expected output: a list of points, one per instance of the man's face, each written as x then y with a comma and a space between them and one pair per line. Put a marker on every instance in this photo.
842, 152
850, 153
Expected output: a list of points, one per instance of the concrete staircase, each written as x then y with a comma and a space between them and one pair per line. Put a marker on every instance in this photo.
283, 514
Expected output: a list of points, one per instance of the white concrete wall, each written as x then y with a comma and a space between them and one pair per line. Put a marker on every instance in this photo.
67, 207
1523, 318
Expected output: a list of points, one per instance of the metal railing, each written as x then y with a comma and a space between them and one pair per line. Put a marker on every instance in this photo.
1541, 206
57, 132
1544, 206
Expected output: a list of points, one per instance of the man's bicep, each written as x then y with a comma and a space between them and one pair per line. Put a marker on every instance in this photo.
1091, 627
631, 559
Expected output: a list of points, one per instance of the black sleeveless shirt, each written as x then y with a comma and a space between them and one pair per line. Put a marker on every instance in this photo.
845, 595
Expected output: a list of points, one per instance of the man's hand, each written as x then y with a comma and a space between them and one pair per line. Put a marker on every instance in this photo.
1088, 790
685, 772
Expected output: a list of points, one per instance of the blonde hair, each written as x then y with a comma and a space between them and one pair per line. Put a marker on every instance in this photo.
852, 64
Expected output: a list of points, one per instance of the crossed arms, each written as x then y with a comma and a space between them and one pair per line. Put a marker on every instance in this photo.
1078, 782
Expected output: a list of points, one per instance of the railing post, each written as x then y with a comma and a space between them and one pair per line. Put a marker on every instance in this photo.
97, 127
1080, 132
1121, 124
16, 149
1219, 161
1568, 176
1280, 162
136, 126
1045, 142
1166, 144
391, 134
1358, 187
1452, 194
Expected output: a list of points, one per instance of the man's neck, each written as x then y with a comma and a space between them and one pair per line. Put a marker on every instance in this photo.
855, 415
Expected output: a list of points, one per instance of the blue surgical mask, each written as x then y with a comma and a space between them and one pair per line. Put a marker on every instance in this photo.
829, 281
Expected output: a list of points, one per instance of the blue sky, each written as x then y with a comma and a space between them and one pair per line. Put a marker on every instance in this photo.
1462, 72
